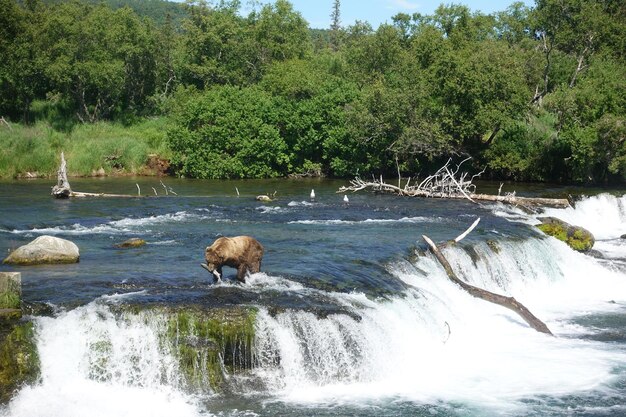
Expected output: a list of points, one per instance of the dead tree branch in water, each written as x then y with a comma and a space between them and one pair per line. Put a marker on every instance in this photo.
452, 184
63, 189
509, 302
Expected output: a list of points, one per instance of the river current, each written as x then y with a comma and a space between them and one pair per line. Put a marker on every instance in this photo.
367, 323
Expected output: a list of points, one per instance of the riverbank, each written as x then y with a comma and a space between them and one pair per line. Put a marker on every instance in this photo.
100, 149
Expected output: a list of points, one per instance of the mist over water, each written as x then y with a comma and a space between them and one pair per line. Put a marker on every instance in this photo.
353, 318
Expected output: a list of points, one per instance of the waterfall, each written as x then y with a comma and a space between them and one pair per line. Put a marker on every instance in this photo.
604, 215
96, 364
436, 343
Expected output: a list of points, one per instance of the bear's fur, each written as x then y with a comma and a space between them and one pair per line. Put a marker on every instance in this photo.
242, 252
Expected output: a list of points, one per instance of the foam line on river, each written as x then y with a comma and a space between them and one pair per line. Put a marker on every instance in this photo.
122, 226
331, 222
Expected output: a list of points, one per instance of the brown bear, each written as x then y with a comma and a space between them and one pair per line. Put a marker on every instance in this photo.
242, 252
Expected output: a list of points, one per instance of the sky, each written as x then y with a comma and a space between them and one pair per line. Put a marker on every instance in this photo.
317, 12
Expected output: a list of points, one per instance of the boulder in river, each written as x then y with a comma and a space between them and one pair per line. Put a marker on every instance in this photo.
578, 238
134, 242
45, 250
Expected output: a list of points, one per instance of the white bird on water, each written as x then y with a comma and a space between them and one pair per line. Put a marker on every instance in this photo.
345, 199
312, 194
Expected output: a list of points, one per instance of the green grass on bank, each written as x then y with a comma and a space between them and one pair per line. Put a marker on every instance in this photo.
115, 148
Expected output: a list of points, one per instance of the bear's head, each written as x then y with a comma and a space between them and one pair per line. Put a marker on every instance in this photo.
213, 260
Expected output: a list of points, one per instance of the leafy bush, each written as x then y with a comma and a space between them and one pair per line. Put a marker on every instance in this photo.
228, 132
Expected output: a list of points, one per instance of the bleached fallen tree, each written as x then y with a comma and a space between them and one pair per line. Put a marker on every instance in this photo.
508, 302
64, 190
449, 182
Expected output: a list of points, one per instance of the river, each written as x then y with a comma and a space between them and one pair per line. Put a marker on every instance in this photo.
353, 319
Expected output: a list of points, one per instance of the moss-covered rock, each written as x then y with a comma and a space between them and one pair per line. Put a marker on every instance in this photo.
19, 361
494, 246
131, 243
576, 237
211, 343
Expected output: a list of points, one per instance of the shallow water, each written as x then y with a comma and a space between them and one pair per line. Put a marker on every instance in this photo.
368, 327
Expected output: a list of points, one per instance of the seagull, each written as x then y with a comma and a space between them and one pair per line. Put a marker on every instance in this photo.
312, 194
345, 199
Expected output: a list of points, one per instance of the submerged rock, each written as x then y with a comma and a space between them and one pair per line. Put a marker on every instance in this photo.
45, 250
578, 238
494, 246
131, 243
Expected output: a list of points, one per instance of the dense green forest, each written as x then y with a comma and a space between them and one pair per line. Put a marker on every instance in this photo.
534, 94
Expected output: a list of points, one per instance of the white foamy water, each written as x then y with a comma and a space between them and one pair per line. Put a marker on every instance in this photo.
93, 364
417, 219
603, 215
438, 343
122, 226
300, 204
270, 209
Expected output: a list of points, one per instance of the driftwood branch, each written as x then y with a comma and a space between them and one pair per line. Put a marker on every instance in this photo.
448, 183
63, 189
467, 232
509, 302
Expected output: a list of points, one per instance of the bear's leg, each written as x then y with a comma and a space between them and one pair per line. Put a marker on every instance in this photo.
241, 273
255, 267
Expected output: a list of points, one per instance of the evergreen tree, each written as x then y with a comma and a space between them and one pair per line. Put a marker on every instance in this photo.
335, 26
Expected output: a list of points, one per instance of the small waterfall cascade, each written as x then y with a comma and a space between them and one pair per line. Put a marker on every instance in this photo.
436, 342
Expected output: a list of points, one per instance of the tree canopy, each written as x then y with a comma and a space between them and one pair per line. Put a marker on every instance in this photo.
530, 93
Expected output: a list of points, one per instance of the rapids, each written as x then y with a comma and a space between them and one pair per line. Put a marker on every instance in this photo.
352, 318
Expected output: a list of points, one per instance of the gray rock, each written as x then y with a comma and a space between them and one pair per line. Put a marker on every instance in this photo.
45, 250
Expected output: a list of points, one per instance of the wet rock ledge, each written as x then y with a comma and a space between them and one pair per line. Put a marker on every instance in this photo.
210, 344
19, 361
